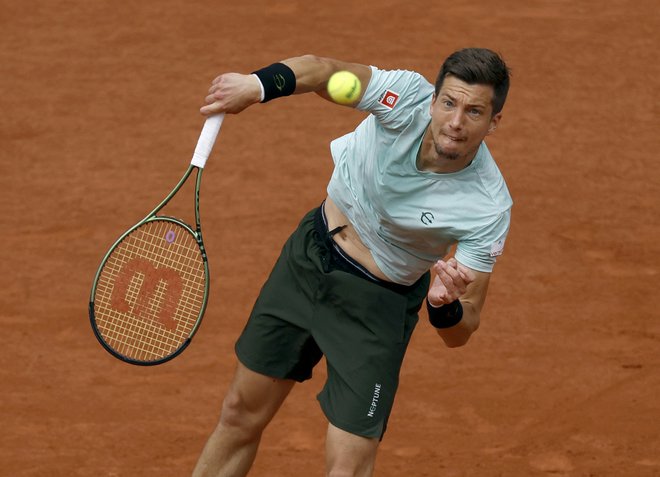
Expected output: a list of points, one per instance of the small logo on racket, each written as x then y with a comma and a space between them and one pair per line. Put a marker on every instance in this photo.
170, 236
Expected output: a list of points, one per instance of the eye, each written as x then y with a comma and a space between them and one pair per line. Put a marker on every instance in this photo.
447, 103
475, 112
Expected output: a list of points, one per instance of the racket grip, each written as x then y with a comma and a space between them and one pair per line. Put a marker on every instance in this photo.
207, 139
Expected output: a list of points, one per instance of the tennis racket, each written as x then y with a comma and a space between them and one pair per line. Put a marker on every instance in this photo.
150, 291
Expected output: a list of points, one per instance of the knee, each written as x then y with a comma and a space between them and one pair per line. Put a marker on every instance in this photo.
340, 473
237, 416
234, 411
351, 463
350, 471
349, 455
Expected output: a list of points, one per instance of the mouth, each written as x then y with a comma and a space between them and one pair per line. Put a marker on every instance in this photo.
454, 138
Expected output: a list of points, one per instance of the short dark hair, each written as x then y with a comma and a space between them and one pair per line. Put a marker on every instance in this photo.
478, 66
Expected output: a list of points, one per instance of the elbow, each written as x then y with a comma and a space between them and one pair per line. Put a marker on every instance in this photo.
456, 342
459, 335
326, 66
318, 61
311, 58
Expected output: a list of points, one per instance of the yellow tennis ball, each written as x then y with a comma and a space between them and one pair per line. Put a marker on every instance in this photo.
344, 87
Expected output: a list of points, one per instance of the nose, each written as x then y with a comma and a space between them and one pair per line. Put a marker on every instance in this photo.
456, 119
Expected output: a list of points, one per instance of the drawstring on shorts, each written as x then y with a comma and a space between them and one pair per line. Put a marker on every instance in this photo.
334, 258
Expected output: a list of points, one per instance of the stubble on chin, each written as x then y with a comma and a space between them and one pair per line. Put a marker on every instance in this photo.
450, 156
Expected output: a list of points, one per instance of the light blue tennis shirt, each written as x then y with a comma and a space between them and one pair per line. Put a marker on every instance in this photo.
409, 218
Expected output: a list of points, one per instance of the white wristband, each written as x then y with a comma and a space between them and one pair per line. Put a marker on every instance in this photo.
263, 91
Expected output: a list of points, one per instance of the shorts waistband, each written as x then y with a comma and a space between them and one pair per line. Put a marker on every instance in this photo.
344, 261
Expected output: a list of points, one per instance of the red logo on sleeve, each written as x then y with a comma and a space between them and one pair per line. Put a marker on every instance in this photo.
389, 99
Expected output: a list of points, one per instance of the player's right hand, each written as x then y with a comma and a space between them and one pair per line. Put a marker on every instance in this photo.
231, 93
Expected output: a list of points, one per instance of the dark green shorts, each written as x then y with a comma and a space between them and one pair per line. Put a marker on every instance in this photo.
318, 302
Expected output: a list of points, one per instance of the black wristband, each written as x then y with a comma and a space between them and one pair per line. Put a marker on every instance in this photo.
277, 79
445, 316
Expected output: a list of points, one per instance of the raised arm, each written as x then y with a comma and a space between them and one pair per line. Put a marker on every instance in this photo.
233, 92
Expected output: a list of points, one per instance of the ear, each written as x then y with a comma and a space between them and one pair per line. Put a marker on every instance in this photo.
494, 122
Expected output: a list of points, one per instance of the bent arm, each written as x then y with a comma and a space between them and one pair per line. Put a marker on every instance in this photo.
233, 92
472, 301
313, 72
454, 281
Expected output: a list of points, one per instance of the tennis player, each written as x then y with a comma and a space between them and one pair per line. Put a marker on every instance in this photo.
411, 181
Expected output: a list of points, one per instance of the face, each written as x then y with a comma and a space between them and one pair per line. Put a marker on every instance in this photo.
461, 117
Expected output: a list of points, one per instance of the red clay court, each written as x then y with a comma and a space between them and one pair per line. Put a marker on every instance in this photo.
100, 116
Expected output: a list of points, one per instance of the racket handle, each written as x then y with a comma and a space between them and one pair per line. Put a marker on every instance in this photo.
207, 139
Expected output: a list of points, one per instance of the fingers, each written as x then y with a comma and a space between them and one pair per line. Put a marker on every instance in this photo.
451, 278
466, 273
454, 278
231, 93
214, 99
213, 105
437, 295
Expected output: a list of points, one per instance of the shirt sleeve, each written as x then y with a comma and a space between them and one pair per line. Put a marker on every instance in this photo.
390, 95
480, 250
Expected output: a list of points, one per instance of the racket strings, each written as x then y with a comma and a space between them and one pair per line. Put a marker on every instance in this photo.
151, 291
141, 337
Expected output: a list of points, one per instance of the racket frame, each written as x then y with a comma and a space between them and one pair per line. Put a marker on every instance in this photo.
202, 151
200, 156
196, 233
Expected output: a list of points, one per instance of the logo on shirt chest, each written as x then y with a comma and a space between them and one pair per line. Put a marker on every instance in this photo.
427, 218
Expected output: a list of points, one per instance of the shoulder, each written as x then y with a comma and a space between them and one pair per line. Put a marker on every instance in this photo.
491, 180
491, 204
392, 94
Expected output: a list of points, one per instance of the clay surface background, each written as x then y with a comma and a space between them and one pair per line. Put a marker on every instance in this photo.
99, 116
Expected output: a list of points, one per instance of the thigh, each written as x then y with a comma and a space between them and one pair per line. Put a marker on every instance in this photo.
364, 332
253, 399
276, 340
348, 454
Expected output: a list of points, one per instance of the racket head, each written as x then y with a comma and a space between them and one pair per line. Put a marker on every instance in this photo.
150, 292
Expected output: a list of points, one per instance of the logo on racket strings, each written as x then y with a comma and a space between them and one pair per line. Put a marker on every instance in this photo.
158, 295
170, 236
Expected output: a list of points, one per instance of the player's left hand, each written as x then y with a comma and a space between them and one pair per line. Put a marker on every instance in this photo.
450, 282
